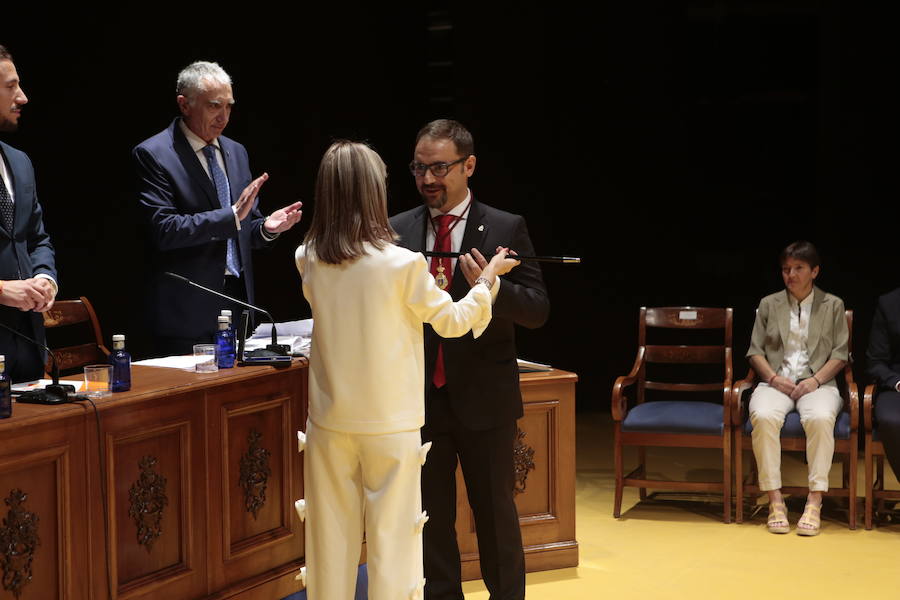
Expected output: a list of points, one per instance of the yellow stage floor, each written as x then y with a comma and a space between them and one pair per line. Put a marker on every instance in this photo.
674, 549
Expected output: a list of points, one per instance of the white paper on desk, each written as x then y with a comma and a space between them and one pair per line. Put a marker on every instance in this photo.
527, 366
187, 363
301, 328
42, 383
299, 345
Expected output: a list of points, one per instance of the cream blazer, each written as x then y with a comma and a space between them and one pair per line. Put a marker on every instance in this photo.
366, 361
828, 333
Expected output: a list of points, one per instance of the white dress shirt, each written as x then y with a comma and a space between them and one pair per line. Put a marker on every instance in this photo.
456, 235
796, 353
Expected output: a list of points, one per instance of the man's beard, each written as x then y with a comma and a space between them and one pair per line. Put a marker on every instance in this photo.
436, 203
7, 125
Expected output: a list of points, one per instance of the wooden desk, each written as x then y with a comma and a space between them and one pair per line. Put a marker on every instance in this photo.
203, 470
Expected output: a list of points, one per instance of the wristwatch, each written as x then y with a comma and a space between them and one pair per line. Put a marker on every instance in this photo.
484, 280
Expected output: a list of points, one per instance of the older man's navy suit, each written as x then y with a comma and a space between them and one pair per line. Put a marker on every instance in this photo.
188, 230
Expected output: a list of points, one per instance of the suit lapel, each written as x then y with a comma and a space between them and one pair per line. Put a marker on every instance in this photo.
21, 200
231, 167
191, 164
476, 230
816, 320
473, 237
783, 314
414, 236
15, 176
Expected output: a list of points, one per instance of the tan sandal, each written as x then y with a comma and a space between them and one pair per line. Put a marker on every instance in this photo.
812, 518
778, 514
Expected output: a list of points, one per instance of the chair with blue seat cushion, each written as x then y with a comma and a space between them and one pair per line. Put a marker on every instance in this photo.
793, 438
874, 460
678, 418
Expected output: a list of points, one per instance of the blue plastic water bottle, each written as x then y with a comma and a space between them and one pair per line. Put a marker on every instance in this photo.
121, 364
225, 344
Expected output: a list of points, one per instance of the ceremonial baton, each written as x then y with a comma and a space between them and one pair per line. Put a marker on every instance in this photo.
549, 259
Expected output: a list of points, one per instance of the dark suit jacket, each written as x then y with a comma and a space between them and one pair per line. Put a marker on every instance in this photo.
188, 230
28, 251
883, 354
482, 375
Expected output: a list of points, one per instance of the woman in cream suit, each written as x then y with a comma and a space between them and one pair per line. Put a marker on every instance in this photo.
799, 344
363, 452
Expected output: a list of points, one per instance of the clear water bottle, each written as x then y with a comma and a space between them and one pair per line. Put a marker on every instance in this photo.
225, 344
5, 391
121, 364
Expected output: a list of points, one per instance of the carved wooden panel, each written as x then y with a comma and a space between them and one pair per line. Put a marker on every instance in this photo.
150, 505
256, 436
254, 465
34, 494
539, 426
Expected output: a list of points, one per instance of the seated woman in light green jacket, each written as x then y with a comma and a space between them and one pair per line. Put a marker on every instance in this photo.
799, 344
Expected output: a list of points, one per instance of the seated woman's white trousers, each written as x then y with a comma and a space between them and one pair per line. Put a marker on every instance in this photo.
818, 411
357, 483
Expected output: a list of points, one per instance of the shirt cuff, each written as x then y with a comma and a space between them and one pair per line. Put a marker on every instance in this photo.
237, 222
268, 236
52, 282
897, 386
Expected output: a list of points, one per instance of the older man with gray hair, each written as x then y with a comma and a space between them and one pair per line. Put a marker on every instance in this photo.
198, 203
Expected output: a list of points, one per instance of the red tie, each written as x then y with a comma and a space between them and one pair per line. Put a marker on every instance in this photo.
441, 244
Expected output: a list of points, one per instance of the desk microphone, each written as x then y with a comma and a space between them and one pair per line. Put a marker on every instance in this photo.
51, 394
270, 351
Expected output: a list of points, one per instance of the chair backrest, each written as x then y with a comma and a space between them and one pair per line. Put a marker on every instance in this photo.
78, 315
685, 318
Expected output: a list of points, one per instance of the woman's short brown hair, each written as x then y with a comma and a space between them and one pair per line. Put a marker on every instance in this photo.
350, 206
800, 250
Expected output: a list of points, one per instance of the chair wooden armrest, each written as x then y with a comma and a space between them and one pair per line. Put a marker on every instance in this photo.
727, 398
868, 407
619, 401
851, 394
853, 405
737, 408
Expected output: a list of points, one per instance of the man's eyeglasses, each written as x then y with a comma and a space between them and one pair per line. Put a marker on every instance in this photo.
438, 169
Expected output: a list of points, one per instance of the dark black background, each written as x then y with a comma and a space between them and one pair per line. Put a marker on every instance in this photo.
675, 146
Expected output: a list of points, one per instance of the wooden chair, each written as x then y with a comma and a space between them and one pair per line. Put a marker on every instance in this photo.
846, 429
874, 459
69, 313
675, 421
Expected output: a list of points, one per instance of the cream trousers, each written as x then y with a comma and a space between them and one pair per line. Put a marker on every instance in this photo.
818, 411
357, 483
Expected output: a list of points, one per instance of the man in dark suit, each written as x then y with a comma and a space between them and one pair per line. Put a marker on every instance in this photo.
472, 397
883, 358
27, 262
197, 201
